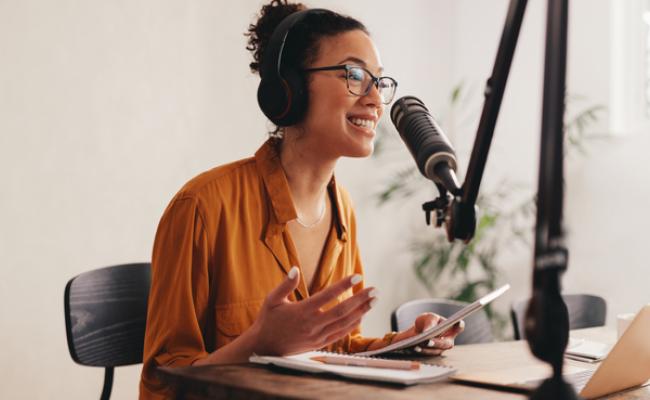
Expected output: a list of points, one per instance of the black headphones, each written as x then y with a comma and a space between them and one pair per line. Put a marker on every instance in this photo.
282, 93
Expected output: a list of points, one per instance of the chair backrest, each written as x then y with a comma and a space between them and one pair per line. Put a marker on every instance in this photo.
477, 326
585, 311
106, 313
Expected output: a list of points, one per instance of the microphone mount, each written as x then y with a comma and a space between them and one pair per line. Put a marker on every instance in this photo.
458, 218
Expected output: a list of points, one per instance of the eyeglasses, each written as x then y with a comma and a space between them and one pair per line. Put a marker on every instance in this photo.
360, 81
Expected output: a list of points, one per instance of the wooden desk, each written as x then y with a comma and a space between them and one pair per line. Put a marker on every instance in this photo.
248, 381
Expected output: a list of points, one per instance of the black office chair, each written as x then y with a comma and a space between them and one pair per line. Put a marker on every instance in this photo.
585, 311
105, 317
477, 326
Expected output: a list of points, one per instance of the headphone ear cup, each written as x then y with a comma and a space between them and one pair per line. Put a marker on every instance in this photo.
272, 98
283, 101
298, 98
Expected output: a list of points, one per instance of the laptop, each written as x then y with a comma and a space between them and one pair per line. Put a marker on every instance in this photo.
626, 366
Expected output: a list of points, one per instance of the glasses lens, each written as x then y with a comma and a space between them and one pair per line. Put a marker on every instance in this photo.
386, 87
358, 80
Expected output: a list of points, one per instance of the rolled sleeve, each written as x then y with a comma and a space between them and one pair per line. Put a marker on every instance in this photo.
179, 295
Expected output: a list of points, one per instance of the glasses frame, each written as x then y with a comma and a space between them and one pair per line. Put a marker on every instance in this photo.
374, 80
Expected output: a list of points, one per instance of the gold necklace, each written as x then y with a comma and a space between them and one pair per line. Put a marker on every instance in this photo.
313, 224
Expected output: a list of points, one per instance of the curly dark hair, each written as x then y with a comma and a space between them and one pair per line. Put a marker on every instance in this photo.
302, 47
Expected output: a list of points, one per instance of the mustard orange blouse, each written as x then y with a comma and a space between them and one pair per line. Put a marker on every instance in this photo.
221, 247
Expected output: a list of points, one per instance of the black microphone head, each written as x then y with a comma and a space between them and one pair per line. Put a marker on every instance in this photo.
422, 136
405, 105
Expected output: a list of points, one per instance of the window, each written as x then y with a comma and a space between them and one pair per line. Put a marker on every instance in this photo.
646, 20
630, 67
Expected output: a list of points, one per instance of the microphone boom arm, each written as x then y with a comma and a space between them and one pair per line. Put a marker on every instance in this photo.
494, 89
456, 206
547, 323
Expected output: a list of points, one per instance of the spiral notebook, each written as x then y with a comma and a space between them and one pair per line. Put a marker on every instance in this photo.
304, 362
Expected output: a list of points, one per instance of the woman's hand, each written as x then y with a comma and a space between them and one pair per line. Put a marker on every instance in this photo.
437, 345
433, 347
285, 327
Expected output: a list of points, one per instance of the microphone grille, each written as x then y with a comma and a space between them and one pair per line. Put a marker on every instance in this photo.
405, 105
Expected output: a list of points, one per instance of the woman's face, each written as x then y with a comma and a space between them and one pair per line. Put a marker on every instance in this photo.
339, 123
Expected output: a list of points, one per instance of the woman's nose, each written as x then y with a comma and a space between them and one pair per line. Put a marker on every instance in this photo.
373, 97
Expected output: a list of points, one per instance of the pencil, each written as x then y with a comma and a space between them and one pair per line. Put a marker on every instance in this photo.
368, 362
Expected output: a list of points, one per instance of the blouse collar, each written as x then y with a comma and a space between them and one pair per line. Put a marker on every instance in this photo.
277, 187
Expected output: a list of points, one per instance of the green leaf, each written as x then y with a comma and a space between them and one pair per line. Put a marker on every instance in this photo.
469, 292
456, 93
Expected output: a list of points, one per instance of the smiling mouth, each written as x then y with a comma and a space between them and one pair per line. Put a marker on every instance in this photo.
362, 123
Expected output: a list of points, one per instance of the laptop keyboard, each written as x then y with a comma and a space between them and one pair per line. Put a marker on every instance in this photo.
577, 379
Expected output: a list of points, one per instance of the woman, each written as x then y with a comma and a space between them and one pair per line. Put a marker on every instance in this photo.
260, 255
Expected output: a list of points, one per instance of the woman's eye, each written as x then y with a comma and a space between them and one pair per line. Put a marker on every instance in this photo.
356, 76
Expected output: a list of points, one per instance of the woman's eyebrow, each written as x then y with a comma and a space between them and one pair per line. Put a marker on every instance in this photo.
360, 62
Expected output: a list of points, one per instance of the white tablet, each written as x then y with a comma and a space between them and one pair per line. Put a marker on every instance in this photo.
441, 327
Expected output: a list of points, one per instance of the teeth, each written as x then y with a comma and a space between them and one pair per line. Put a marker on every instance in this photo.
364, 123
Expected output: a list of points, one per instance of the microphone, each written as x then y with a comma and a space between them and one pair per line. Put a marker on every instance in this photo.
422, 135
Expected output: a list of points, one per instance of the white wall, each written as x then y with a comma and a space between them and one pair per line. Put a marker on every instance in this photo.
107, 108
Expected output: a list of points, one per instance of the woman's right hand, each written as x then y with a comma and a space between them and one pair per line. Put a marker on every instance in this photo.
285, 327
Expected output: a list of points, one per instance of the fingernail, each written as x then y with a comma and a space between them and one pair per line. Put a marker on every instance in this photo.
356, 279
417, 349
373, 293
373, 302
293, 272
431, 343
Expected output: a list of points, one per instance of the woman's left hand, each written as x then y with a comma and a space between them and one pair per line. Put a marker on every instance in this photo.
437, 345
433, 347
